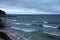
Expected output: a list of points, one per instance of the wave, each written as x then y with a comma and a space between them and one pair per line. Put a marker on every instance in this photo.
50, 33
48, 26
11, 20
26, 29
15, 23
20, 23
45, 22
34, 21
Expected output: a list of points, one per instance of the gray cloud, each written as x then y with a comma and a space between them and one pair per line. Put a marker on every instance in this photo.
41, 5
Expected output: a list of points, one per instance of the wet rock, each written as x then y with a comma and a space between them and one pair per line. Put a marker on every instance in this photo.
2, 13
4, 36
41, 25
58, 27
1, 24
12, 35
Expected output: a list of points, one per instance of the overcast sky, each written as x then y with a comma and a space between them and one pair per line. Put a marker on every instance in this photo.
30, 6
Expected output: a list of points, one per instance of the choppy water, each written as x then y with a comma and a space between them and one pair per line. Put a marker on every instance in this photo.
28, 26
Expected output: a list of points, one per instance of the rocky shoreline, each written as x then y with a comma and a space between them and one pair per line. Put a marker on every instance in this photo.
12, 35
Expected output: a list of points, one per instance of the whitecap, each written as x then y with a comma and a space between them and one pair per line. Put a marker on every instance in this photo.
20, 23
25, 29
48, 26
27, 24
45, 22
54, 34
15, 23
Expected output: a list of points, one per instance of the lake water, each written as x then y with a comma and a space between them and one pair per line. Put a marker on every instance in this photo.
28, 27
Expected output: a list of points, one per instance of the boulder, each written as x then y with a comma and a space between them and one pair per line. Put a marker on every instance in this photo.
1, 24
4, 36
2, 13
58, 27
